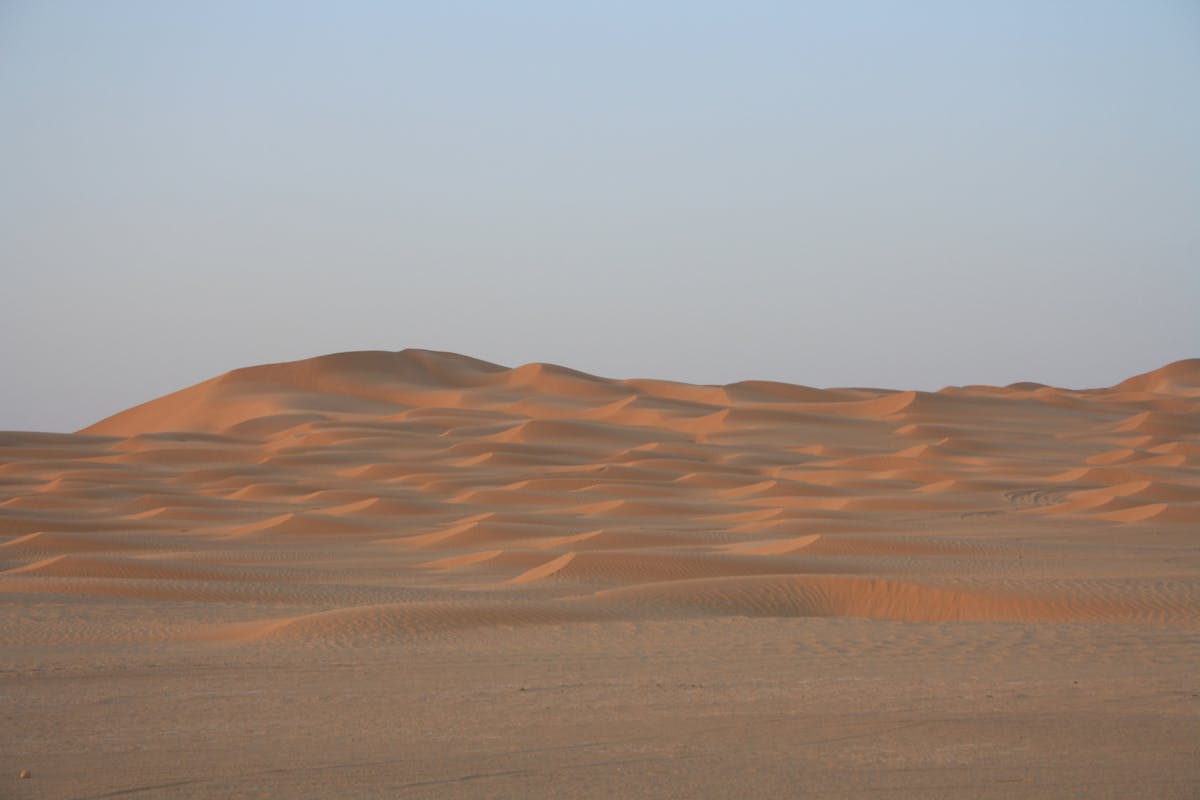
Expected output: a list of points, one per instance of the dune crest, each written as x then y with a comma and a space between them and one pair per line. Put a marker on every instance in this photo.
1176, 378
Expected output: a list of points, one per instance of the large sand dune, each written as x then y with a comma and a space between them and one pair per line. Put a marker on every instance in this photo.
419, 508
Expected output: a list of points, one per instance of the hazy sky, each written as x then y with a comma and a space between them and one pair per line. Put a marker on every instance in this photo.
902, 194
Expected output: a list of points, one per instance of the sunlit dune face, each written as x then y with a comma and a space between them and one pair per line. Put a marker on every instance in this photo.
421, 491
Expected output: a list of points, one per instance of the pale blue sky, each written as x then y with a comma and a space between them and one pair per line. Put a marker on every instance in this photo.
846, 193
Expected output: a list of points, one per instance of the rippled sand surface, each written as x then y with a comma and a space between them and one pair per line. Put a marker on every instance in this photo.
418, 574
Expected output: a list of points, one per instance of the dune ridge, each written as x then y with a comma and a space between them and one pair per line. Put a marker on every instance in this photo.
379, 495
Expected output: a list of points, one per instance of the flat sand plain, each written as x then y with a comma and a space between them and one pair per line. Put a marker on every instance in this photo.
418, 574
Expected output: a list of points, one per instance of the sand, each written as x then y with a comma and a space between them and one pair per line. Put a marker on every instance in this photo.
419, 574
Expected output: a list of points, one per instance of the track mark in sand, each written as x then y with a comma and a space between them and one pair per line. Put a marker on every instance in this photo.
563, 768
465, 778
1035, 498
885, 730
147, 788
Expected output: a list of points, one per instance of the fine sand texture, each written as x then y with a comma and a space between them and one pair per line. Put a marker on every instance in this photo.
419, 574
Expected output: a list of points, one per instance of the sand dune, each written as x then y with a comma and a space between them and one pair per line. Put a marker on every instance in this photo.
1178, 378
430, 467
422, 499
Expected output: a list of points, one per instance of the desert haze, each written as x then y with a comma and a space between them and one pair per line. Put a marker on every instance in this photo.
419, 574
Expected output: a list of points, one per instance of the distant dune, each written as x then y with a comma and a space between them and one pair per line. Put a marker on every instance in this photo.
382, 499
614, 499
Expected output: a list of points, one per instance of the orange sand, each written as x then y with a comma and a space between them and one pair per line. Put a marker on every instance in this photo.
420, 574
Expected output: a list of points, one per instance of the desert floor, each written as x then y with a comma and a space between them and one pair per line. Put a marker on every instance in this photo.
418, 574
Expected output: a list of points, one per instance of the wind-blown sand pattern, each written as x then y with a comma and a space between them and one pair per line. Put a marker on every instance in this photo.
478, 523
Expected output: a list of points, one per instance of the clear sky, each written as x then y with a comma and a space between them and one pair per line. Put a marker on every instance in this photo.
842, 193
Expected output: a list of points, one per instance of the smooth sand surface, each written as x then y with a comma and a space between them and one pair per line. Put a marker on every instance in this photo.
419, 574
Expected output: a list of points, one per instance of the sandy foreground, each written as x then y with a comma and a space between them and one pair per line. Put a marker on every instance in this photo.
418, 574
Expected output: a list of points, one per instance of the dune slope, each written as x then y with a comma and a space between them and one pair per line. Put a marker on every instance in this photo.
500, 521
544, 487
